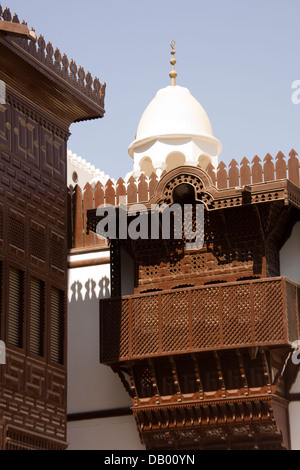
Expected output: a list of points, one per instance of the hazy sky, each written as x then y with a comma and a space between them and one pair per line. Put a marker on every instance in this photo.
238, 58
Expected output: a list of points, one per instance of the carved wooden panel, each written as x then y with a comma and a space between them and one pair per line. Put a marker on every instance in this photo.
53, 152
33, 242
266, 300
144, 329
113, 343
5, 126
35, 385
16, 233
236, 325
205, 316
175, 317
37, 244
208, 401
33, 396
31, 192
56, 389
57, 251
14, 372
51, 92
26, 138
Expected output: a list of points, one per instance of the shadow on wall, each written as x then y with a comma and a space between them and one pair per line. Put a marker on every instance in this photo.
92, 385
90, 290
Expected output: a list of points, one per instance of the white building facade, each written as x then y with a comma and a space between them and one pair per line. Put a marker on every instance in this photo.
173, 131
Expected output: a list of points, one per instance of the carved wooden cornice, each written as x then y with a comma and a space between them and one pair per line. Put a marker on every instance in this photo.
281, 191
244, 416
214, 198
47, 77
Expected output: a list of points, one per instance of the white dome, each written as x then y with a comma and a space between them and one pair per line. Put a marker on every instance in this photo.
173, 111
174, 126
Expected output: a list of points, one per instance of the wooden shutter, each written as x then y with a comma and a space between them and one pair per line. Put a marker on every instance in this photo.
15, 307
57, 326
37, 316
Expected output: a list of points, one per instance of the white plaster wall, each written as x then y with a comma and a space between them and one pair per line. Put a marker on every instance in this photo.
290, 268
118, 433
295, 388
159, 149
86, 172
91, 385
294, 416
290, 256
83, 175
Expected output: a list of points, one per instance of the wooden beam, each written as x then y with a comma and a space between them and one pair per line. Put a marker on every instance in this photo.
154, 381
220, 374
242, 371
198, 377
175, 378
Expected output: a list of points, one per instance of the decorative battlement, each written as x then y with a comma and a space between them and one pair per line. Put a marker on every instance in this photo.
270, 169
57, 62
141, 189
79, 163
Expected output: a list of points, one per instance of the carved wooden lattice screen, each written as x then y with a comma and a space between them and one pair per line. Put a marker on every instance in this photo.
236, 314
37, 316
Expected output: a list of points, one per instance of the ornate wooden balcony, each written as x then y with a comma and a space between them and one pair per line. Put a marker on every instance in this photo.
248, 313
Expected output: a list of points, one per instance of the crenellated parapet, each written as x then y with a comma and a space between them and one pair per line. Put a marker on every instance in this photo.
51, 63
258, 171
228, 181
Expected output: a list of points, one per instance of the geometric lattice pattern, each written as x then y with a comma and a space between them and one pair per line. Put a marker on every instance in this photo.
37, 242
56, 254
243, 313
16, 233
292, 300
236, 304
269, 312
203, 264
205, 317
144, 321
175, 318
192, 180
114, 329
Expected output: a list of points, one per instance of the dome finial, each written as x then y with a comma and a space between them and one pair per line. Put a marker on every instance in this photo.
173, 73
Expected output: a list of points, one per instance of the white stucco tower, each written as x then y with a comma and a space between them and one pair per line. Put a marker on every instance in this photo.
174, 130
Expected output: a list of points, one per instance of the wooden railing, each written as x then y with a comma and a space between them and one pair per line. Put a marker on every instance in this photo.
229, 315
142, 189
